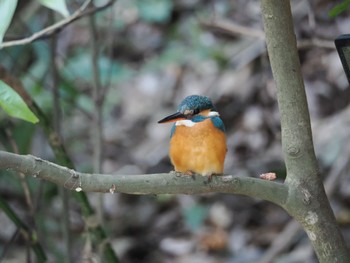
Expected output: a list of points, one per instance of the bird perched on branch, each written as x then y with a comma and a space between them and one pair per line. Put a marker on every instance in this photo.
198, 141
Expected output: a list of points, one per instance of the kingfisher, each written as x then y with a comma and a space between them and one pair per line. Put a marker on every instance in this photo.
197, 138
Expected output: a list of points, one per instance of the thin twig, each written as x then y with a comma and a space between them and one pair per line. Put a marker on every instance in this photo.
233, 29
9, 244
282, 241
97, 125
27, 194
48, 31
24, 183
109, 52
316, 42
98, 98
28, 234
65, 224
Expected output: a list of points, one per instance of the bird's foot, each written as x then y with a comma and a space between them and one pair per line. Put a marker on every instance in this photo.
179, 174
210, 177
184, 174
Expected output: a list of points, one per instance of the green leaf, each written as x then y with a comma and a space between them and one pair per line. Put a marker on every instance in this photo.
155, 10
339, 8
56, 5
14, 105
7, 9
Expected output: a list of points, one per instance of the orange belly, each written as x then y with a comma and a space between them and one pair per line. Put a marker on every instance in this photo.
200, 149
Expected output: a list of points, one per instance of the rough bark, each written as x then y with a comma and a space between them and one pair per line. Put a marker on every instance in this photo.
307, 201
167, 183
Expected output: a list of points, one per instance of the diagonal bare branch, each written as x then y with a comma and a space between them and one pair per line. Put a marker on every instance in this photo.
50, 30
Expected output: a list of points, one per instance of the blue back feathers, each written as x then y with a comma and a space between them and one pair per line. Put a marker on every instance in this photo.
218, 123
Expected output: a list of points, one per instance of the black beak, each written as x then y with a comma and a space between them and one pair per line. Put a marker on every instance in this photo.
173, 117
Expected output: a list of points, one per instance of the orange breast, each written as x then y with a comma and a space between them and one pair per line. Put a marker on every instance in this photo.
200, 149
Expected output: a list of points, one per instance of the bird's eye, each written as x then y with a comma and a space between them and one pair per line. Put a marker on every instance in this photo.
190, 113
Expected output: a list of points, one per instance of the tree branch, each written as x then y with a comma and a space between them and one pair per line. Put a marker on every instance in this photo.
167, 183
231, 28
307, 201
50, 30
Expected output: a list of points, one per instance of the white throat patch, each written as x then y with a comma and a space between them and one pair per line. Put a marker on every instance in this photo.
213, 113
187, 123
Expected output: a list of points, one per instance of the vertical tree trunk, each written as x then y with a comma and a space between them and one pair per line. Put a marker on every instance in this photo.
307, 201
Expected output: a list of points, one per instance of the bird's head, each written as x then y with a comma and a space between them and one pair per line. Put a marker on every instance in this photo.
190, 107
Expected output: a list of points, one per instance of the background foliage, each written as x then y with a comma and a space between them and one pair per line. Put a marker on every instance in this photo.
151, 54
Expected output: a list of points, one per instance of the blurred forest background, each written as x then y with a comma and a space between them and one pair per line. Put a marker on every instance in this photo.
119, 70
